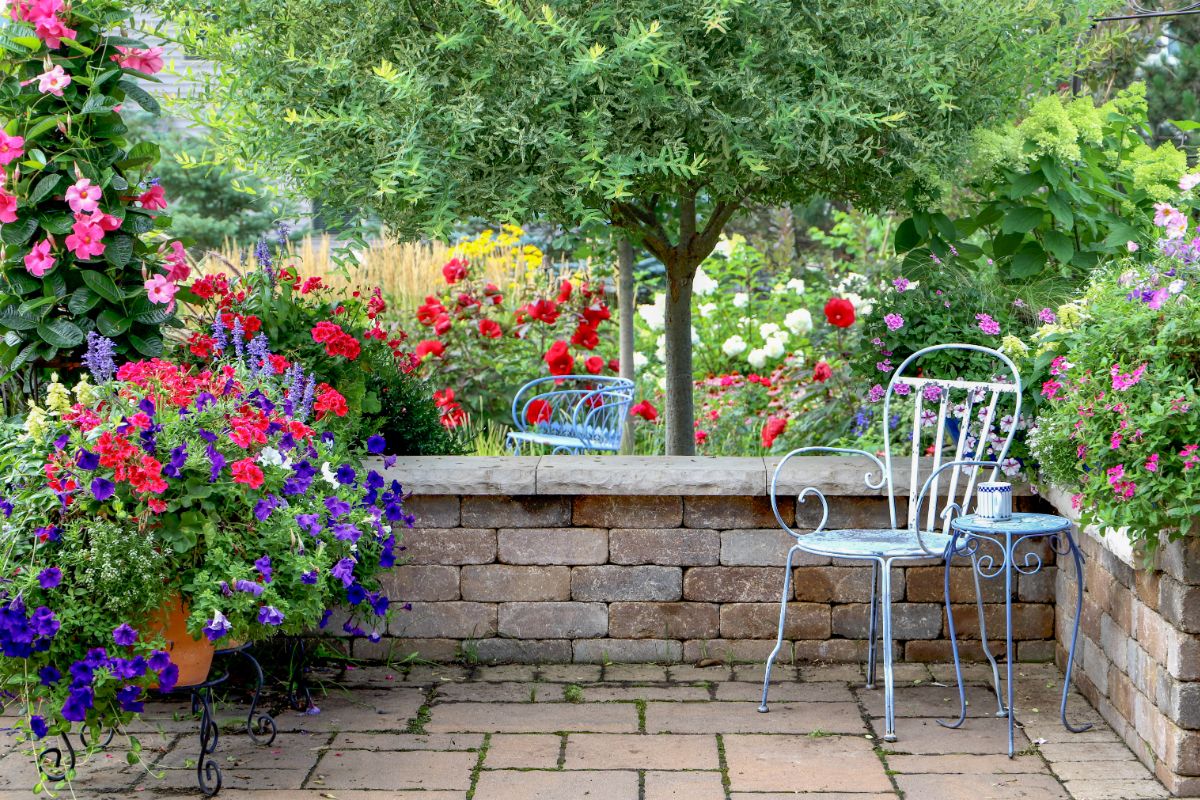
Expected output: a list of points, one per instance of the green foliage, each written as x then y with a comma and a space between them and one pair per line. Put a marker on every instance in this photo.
1053, 195
44, 317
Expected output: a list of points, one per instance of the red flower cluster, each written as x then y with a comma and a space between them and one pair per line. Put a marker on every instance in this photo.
538, 411
772, 429
645, 410
559, 359
337, 342
329, 401
455, 270
451, 410
822, 372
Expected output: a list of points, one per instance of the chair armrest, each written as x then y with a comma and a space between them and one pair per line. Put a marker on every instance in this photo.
812, 490
953, 509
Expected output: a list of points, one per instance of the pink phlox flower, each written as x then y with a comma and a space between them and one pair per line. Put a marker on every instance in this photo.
894, 322
1188, 454
1123, 381
1047, 316
1081, 452
932, 392
1152, 463
875, 393
1180, 405
902, 388
901, 284
1018, 303
1115, 442
988, 325
1050, 390
884, 366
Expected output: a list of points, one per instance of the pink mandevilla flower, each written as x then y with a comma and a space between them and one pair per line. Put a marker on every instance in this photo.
11, 148
153, 199
83, 196
8, 206
53, 81
1047, 316
39, 261
148, 60
86, 240
52, 31
160, 290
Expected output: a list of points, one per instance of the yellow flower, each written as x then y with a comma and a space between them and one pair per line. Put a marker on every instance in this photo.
85, 392
1070, 316
58, 397
1013, 346
35, 423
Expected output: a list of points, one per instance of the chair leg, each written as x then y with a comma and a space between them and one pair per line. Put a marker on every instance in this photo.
962, 695
783, 604
1001, 711
889, 683
872, 629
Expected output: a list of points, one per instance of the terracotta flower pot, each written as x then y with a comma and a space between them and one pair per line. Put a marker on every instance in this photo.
192, 656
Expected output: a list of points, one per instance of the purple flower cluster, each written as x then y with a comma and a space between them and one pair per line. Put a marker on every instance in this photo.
99, 358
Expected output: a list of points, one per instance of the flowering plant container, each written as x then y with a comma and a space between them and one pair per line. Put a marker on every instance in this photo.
223, 486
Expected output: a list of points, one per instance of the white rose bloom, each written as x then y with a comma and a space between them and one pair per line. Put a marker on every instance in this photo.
799, 321
775, 347
861, 306
796, 285
655, 313
741, 300
639, 361
769, 329
703, 285
734, 346
706, 309
727, 246
757, 357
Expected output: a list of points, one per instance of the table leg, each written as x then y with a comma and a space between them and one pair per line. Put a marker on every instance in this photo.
1077, 557
962, 695
1008, 654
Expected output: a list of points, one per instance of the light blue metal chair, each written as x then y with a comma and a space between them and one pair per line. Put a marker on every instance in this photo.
571, 413
964, 449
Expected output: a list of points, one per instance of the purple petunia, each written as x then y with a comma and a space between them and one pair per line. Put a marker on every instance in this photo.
346, 532
168, 677
250, 587
346, 475
263, 565
43, 622
269, 615
50, 577
85, 459
310, 523
174, 465
124, 635
79, 700
102, 489
337, 506
343, 570
217, 627
159, 660
376, 444
325, 618
49, 676
309, 578
127, 698
217, 462
356, 594
37, 726
264, 507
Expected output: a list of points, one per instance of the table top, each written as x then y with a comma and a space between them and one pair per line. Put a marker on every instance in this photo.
1020, 523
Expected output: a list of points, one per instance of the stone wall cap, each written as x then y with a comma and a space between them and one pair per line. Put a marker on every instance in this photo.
469, 475
651, 475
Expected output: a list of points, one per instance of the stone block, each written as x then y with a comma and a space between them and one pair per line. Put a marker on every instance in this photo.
651, 475
522, 651
1030, 621
939, 651
764, 547
434, 510
761, 621
412, 583
1037, 651
439, 650
1179, 603
515, 511
453, 620
733, 584
840, 651
840, 584
1181, 703
1183, 654
732, 512
927, 585
553, 545
1181, 560
627, 651
909, 620
609, 511
610, 583
1036, 588
636, 620
504, 583
735, 651
449, 546
463, 475
849, 512
682, 547
553, 620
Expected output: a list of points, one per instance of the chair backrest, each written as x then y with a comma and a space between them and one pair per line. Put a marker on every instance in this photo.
969, 411
590, 407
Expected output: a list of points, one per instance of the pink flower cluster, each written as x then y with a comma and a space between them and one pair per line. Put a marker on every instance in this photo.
988, 325
43, 15
1122, 381
1123, 489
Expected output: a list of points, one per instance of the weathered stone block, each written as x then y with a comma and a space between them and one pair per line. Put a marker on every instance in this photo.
1179, 603
663, 620
849, 512
409, 583
609, 583
764, 547
735, 650
939, 651
682, 547
553, 545
614, 511
761, 621
434, 510
522, 651
449, 546
1035, 588
927, 585
840, 584
453, 620
733, 584
909, 620
651, 475
1035, 651
732, 512
553, 620
515, 511
388, 648
626, 651
503, 583
1030, 621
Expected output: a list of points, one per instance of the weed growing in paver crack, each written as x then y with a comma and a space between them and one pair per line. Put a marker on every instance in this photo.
819, 734
723, 765
478, 768
573, 693
417, 724
468, 652
533, 694
641, 709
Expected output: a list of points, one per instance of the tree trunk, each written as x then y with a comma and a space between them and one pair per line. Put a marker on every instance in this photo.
626, 300
681, 434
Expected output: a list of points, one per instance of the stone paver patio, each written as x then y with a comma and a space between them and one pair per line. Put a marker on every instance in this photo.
634, 732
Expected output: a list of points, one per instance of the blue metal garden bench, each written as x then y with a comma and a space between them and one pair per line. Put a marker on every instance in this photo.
571, 413
969, 407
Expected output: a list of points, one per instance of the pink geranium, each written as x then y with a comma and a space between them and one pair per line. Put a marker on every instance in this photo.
83, 196
11, 148
53, 81
153, 199
39, 261
8, 207
86, 240
147, 60
160, 290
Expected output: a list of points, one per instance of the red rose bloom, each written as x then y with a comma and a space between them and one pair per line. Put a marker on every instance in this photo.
585, 336
614, 364
538, 411
771, 430
822, 372
430, 347
428, 313
441, 325
645, 410
490, 329
454, 271
594, 365
840, 312
558, 358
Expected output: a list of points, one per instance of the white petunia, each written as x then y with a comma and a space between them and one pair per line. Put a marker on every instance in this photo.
328, 474
734, 346
269, 456
799, 321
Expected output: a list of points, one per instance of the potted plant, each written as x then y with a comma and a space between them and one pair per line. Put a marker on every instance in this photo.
222, 492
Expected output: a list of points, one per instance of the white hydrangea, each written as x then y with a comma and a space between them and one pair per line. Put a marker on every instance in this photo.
757, 357
796, 285
706, 309
660, 348
734, 346
727, 246
655, 314
703, 285
740, 299
799, 321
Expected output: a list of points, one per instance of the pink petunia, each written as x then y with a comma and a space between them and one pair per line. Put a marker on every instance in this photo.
8, 207
11, 148
39, 261
53, 81
160, 290
86, 240
83, 196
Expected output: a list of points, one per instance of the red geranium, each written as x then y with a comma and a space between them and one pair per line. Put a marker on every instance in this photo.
822, 372
772, 429
492, 293
428, 313
490, 329
430, 347
247, 472
538, 411
455, 270
559, 359
452, 412
543, 310
201, 345
645, 410
840, 312
329, 400
594, 364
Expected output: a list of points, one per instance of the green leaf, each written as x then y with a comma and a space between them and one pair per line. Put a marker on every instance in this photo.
61, 333
55, 283
137, 223
945, 227
1060, 207
1021, 219
118, 250
1060, 246
110, 323
82, 301
98, 103
27, 353
102, 285
42, 125
13, 319
22, 283
58, 223
142, 153
1006, 244
1119, 234
19, 232
1025, 185
1029, 261
154, 316
43, 188
139, 96
906, 236
150, 345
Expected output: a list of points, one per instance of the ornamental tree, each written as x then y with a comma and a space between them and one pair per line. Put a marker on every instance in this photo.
663, 119
77, 219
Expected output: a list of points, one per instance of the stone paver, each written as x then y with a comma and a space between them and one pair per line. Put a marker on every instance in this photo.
647, 732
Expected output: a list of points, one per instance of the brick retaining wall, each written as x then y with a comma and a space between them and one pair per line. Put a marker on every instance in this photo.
594, 559
1139, 648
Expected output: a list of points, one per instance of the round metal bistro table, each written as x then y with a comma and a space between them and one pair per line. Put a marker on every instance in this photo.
992, 546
